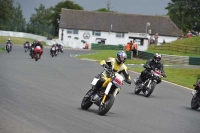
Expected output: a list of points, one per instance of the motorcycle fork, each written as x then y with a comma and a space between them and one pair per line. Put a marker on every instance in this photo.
149, 83
106, 92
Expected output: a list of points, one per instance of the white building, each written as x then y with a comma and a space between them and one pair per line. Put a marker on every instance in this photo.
77, 27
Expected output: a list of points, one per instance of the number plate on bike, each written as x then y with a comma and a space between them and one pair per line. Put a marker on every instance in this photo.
94, 81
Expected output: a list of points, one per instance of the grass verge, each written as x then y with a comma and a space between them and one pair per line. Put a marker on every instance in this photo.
181, 76
2, 49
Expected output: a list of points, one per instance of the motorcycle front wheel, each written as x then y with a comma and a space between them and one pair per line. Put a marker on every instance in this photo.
86, 103
194, 104
148, 92
36, 56
137, 89
105, 107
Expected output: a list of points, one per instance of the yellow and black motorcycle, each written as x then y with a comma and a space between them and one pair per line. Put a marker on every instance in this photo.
105, 97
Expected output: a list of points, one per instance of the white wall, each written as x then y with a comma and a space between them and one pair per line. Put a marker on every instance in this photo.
21, 34
73, 43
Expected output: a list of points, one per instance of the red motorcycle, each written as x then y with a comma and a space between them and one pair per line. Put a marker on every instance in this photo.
37, 52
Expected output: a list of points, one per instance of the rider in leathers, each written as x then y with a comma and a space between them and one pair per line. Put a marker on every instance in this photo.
117, 65
9, 42
32, 46
152, 64
41, 46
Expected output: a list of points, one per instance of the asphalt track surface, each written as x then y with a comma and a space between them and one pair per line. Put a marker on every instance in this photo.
45, 97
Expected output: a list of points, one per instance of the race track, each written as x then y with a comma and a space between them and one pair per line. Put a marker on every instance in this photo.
45, 97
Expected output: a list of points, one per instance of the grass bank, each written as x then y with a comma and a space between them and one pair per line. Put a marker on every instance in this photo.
181, 76
2, 49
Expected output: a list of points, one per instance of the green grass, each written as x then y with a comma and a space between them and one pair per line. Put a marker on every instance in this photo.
194, 41
16, 40
181, 76
104, 54
2, 49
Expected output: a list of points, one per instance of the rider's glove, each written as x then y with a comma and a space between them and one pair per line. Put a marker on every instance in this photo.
106, 65
164, 75
128, 81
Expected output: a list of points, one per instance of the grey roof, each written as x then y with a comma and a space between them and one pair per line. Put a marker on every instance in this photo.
101, 21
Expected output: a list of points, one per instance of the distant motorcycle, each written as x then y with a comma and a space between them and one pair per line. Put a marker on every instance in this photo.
195, 102
149, 85
32, 52
37, 52
26, 47
8, 47
53, 51
61, 49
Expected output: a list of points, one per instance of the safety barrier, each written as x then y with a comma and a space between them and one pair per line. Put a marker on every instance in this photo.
95, 46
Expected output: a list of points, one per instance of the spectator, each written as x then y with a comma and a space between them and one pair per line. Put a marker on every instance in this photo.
189, 34
86, 46
128, 47
131, 44
156, 38
134, 49
164, 41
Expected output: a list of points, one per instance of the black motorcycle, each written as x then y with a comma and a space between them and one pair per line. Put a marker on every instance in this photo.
8, 47
54, 51
32, 52
195, 102
150, 83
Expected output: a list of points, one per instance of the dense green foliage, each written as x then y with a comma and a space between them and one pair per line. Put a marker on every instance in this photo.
11, 17
185, 14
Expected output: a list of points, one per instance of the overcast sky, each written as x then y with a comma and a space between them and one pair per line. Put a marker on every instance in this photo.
143, 7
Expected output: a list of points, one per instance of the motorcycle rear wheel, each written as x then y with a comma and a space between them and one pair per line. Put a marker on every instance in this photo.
194, 104
104, 108
86, 103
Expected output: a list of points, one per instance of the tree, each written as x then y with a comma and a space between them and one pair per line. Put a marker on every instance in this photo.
6, 8
103, 10
55, 17
40, 20
185, 14
18, 22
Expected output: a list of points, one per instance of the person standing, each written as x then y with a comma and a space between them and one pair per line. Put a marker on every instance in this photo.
156, 38
134, 49
128, 47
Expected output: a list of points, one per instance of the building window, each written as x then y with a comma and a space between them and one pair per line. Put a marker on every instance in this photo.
120, 35
72, 31
96, 33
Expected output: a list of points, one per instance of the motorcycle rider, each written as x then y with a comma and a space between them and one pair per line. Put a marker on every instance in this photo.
117, 65
27, 42
151, 64
9, 42
54, 45
60, 47
39, 44
32, 46
196, 91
